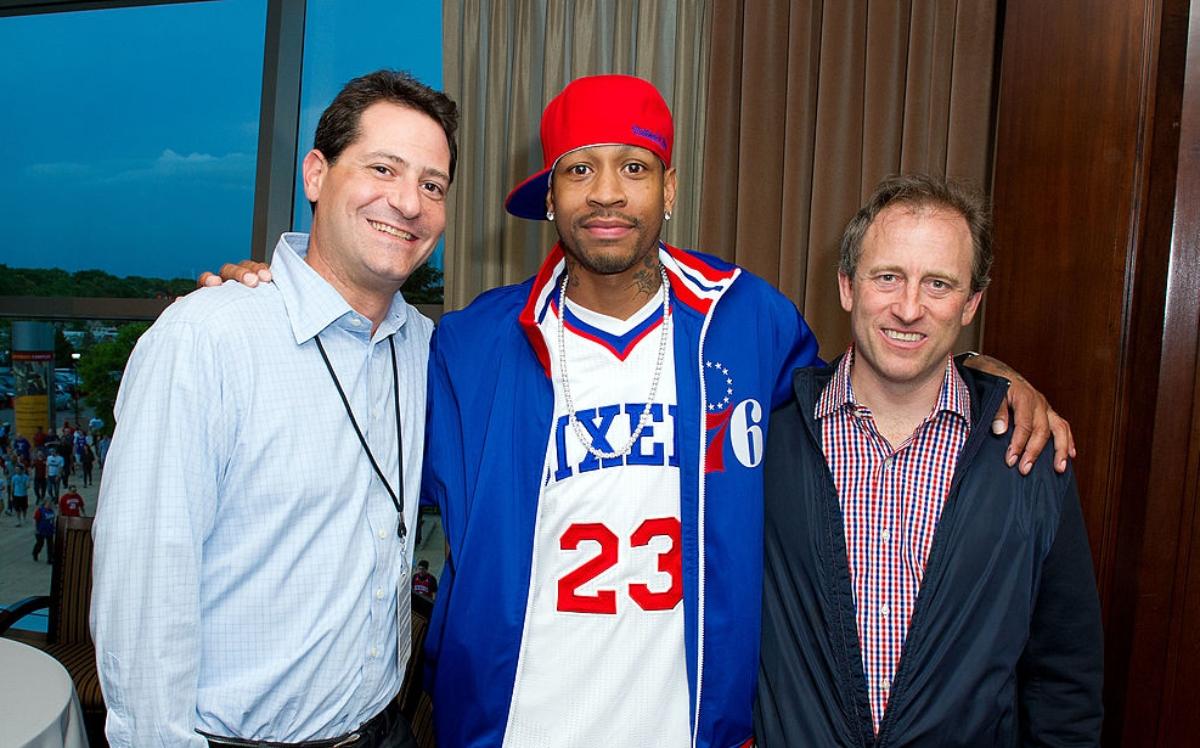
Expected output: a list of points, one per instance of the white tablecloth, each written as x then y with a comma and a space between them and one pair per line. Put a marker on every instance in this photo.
38, 705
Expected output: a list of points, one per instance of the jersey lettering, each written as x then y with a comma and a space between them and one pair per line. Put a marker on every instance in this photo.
669, 563
604, 602
569, 599
745, 433
653, 446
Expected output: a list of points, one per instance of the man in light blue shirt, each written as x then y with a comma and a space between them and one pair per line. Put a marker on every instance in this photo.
251, 575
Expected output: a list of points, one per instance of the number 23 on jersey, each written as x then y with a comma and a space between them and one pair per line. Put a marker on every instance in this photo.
604, 601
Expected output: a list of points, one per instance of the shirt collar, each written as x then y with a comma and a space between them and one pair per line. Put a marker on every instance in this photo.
953, 397
313, 304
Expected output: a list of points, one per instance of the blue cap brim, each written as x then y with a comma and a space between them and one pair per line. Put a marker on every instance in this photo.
528, 199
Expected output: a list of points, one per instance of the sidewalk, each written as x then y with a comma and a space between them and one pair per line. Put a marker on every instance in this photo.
20, 575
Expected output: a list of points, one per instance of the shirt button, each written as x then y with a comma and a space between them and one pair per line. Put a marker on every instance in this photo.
383, 534
374, 652
884, 610
356, 321
886, 535
379, 593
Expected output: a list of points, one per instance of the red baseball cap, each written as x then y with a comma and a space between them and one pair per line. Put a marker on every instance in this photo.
596, 110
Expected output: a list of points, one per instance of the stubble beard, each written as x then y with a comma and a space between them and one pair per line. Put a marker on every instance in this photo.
604, 263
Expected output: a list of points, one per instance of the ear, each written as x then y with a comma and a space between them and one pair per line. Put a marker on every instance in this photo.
971, 307
846, 291
314, 169
669, 184
550, 198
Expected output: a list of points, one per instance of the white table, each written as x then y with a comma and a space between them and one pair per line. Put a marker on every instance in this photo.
38, 705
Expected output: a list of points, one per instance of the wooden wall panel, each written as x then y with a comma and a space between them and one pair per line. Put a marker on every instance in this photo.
1162, 573
1069, 131
1097, 299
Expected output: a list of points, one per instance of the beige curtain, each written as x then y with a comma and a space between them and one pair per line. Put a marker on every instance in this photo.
811, 103
503, 62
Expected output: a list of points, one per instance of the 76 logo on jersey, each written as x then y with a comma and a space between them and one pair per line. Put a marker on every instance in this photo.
604, 601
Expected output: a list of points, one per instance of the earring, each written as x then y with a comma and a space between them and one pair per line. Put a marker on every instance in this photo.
666, 215
549, 215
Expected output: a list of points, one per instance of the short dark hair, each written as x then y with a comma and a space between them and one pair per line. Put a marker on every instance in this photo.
339, 124
924, 192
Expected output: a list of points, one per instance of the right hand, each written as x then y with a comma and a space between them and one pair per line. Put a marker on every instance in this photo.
246, 272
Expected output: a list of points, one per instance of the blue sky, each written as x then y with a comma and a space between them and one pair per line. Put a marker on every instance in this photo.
128, 137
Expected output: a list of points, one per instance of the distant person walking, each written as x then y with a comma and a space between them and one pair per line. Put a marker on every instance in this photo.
20, 495
71, 503
43, 520
102, 450
39, 475
55, 467
80, 443
22, 447
86, 459
424, 583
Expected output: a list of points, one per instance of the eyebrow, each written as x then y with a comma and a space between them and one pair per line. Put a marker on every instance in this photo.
428, 171
897, 270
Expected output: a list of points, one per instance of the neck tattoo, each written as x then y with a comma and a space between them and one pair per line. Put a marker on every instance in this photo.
644, 418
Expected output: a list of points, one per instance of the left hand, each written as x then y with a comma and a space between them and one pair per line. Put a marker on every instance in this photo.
1036, 421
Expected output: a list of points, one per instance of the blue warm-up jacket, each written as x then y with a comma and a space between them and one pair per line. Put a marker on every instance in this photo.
489, 418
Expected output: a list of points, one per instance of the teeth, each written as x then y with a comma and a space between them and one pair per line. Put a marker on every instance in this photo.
908, 337
389, 230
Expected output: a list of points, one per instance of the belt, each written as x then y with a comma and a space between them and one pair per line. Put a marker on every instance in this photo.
345, 741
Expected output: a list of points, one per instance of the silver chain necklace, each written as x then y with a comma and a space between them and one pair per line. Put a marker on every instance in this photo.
644, 418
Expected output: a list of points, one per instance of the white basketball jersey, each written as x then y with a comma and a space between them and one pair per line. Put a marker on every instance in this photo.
602, 656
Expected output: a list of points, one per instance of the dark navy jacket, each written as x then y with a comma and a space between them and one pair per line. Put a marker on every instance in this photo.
1005, 645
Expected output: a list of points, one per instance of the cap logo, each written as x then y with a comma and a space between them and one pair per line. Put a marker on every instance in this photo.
651, 135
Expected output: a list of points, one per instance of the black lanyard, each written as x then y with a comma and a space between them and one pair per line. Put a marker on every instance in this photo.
398, 500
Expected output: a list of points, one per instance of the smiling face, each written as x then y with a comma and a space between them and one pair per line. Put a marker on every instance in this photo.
381, 206
910, 296
608, 202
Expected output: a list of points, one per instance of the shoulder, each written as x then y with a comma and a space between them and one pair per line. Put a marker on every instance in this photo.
418, 327
222, 305
485, 320
502, 300
231, 317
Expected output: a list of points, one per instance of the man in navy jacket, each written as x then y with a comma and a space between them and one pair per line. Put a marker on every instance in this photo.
917, 592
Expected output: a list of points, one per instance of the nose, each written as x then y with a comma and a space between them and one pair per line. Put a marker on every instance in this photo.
908, 306
608, 189
405, 197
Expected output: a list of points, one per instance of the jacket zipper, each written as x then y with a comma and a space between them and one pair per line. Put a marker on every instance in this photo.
934, 562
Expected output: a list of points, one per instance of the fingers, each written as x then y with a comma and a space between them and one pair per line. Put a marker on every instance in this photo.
1035, 445
247, 272
1000, 422
1064, 441
260, 270
1031, 425
239, 273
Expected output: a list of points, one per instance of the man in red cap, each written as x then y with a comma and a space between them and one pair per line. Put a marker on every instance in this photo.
595, 441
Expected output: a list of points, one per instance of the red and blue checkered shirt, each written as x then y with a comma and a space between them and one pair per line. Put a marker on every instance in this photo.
891, 501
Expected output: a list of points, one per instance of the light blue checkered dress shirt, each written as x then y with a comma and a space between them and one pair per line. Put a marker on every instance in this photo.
247, 562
